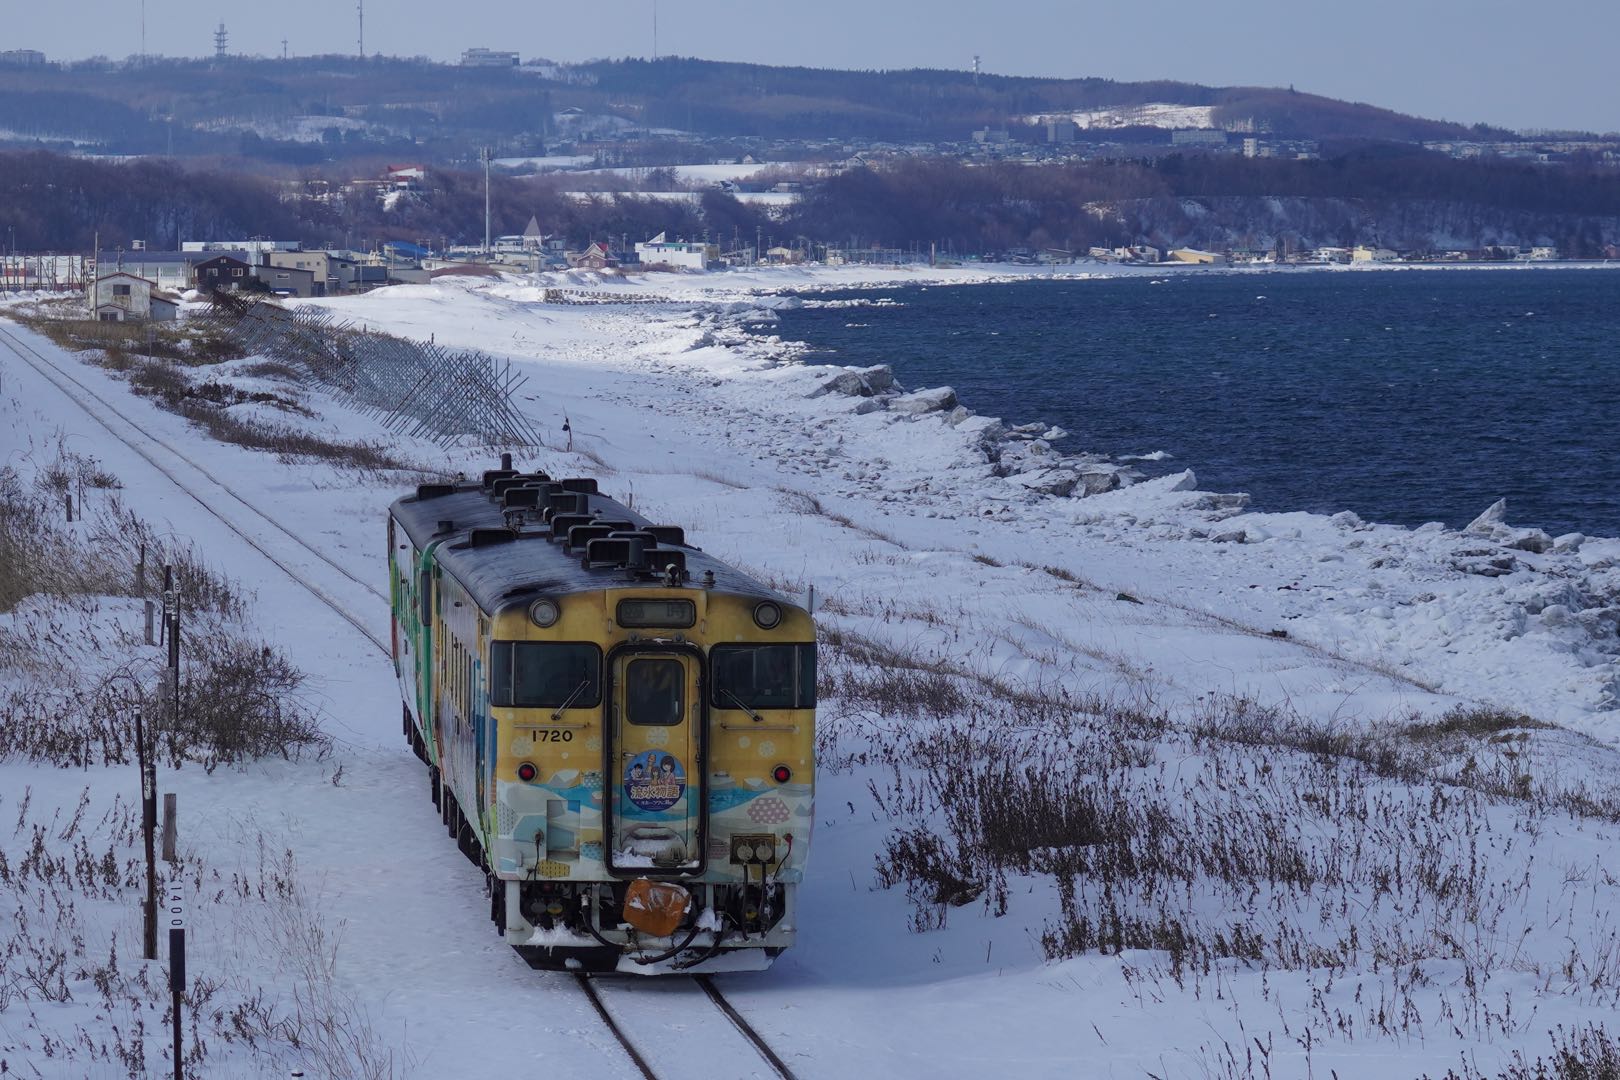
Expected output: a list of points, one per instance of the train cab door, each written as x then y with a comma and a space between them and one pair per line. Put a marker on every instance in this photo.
654, 757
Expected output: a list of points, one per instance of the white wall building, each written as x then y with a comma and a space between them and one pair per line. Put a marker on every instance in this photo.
123, 297
679, 254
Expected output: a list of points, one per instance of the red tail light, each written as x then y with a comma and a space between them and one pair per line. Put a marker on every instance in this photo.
782, 774
527, 772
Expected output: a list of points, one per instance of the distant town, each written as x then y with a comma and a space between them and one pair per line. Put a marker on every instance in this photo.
391, 163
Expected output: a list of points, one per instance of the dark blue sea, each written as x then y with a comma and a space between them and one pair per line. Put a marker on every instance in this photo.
1404, 396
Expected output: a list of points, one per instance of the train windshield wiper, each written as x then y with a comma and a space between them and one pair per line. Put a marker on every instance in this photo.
744, 706
570, 699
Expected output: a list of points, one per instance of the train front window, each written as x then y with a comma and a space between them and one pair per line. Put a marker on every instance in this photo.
763, 676
545, 674
655, 692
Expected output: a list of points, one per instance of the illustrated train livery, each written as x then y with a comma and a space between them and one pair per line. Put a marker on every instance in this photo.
619, 729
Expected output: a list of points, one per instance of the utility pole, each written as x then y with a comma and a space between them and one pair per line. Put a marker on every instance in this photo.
655, 29
483, 156
143, 33
284, 49
360, 9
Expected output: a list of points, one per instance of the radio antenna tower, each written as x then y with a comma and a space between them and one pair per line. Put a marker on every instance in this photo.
655, 29
975, 70
483, 155
220, 40
360, 10
143, 32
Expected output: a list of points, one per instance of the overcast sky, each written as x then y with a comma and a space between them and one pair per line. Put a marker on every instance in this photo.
1517, 63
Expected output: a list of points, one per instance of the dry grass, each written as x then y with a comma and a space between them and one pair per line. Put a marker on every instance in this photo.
75, 685
1588, 1053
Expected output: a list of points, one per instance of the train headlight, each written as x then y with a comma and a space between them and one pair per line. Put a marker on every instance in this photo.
544, 613
767, 615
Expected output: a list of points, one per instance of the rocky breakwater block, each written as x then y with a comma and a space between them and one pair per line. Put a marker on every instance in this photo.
1493, 524
983, 432
1057, 481
1071, 479
860, 382
923, 402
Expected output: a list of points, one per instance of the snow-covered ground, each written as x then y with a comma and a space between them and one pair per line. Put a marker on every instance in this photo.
1238, 839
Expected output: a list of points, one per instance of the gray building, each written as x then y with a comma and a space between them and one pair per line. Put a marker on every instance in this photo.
122, 297
289, 281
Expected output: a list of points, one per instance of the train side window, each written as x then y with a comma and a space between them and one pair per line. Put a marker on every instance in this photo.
655, 692
763, 676
545, 674
427, 596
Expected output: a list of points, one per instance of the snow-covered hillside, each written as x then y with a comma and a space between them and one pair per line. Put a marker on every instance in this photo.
1157, 114
1135, 783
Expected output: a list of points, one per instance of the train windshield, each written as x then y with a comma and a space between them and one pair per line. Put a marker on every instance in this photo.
763, 676
545, 674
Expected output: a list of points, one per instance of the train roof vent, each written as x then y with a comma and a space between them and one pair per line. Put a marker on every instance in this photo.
619, 551
579, 535
521, 498
613, 524
490, 537
561, 523
434, 491
568, 502
581, 484
492, 475
507, 483
671, 535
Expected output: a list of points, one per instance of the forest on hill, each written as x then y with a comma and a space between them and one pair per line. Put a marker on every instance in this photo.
1396, 197
305, 111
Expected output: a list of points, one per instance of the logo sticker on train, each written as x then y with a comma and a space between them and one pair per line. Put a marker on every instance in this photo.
654, 781
607, 713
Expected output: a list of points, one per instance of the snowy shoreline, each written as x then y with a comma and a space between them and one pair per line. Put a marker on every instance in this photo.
1538, 615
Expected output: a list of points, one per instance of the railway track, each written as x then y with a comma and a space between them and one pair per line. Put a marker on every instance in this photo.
151, 448
657, 1021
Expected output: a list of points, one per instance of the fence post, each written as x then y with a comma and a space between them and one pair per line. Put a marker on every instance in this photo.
150, 609
148, 828
170, 826
174, 904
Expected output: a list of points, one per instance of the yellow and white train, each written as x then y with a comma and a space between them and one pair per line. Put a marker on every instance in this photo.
619, 729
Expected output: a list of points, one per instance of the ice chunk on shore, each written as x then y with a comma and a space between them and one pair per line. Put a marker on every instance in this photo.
1494, 517
939, 399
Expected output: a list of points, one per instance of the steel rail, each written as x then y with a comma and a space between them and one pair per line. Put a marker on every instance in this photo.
589, 987
743, 1026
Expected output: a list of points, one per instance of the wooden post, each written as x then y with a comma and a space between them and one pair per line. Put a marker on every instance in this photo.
174, 910
140, 583
148, 838
67, 496
150, 632
169, 827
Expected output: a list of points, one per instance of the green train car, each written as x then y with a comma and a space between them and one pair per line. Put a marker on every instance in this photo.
619, 729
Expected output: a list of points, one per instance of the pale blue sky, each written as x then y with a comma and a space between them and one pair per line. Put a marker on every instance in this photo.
1521, 64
